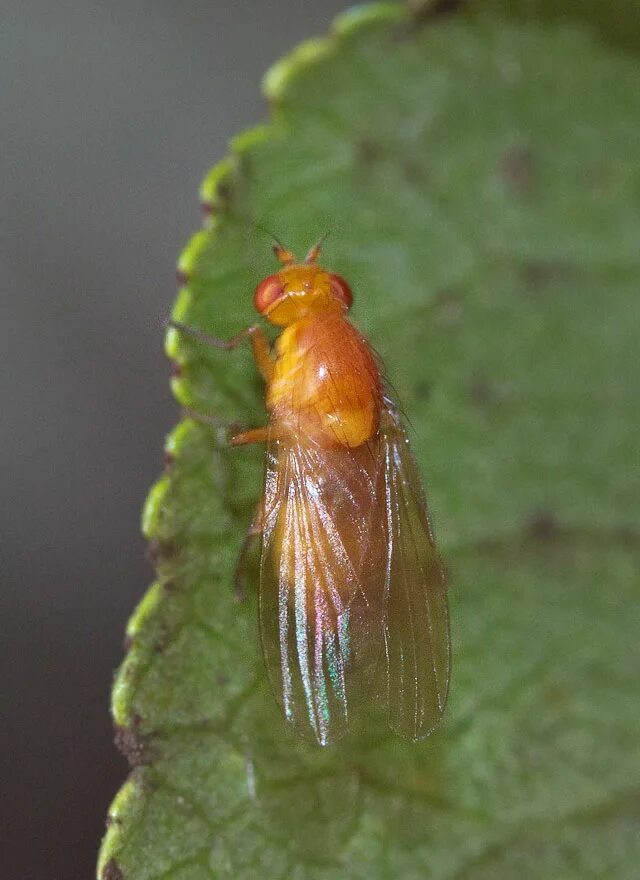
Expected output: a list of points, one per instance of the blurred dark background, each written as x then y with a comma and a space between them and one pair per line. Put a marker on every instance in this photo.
111, 113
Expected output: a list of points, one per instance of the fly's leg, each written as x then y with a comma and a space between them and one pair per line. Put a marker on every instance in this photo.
262, 353
253, 435
259, 344
253, 533
228, 429
236, 434
264, 362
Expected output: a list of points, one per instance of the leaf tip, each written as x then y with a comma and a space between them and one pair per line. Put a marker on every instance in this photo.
152, 509
277, 78
215, 190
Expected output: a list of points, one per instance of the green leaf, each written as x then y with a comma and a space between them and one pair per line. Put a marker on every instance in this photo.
480, 178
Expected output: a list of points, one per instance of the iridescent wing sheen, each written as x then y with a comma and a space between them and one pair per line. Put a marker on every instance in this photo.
321, 581
352, 590
416, 617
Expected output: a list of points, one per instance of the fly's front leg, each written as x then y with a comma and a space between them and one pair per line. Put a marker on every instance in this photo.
224, 428
259, 344
264, 362
262, 353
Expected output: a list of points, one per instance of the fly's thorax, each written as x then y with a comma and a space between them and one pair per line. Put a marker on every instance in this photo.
326, 385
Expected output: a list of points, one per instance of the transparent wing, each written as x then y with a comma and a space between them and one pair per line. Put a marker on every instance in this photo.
320, 587
416, 617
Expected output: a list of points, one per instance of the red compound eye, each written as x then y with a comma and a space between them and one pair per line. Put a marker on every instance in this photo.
341, 289
267, 292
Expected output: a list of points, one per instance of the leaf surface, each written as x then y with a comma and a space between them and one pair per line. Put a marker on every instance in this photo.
480, 178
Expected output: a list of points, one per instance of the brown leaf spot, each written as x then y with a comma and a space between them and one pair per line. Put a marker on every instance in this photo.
422, 389
159, 551
153, 552
426, 10
161, 642
542, 525
423, 12
224, 191
171, 587
537, 273
438, 8
516, 169
112, 871
221, 200
557, 696
368, 150
483, 394
130, 742
415, 173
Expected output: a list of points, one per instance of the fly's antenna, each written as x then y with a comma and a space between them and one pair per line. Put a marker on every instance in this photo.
314, 252
283, 254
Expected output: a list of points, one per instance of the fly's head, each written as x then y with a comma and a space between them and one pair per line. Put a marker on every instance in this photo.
300, 289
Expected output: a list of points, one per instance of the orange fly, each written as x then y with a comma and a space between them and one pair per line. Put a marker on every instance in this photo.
353, 605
